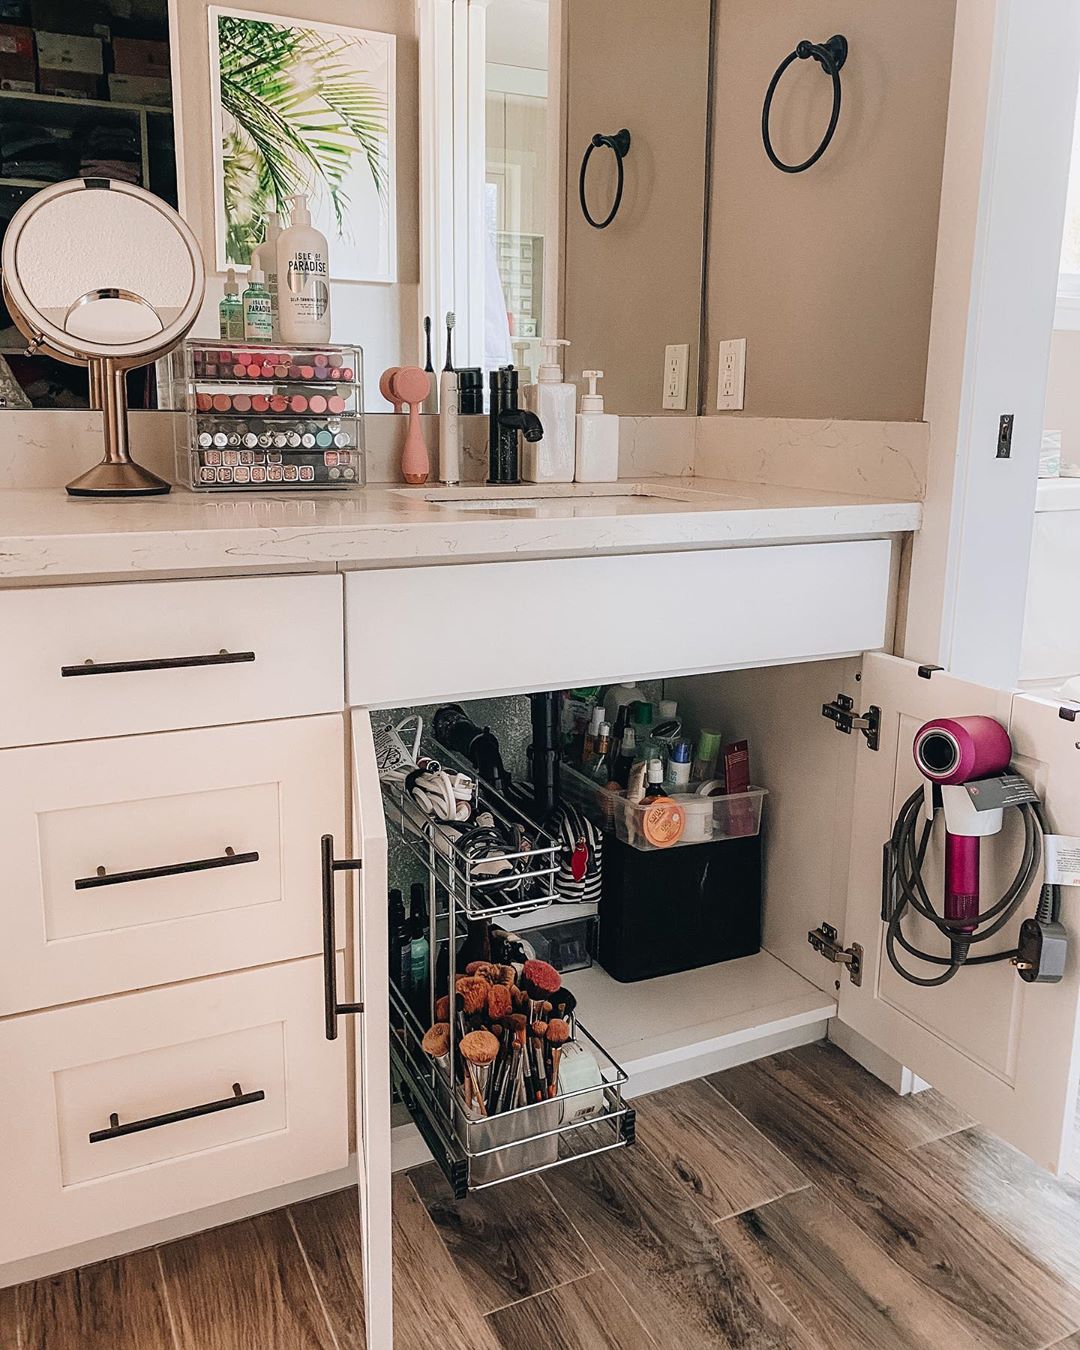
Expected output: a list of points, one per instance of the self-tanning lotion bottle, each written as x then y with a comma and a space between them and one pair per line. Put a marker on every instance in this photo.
303, 279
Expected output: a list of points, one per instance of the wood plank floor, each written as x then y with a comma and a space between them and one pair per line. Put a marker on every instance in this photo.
790, 1204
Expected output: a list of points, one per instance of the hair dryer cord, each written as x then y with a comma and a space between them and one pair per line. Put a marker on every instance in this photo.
905, 887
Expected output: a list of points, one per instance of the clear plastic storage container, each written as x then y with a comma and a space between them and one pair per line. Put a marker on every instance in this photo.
266, 417
736, 815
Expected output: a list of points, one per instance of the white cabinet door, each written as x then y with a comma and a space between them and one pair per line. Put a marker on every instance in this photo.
369, 939
1002, 1050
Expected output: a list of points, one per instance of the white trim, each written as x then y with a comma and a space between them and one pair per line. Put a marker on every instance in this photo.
437, 217
1067, 313
551, 319
1014, 79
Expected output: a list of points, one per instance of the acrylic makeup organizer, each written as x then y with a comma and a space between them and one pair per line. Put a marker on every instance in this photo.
267, 417
476, 1152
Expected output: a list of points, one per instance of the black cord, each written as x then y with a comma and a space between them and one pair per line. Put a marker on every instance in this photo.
619, 144
906, 888
831, 56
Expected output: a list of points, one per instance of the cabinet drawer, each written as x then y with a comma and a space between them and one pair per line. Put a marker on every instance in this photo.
569, 621
147, 1059
146, 859
90, 661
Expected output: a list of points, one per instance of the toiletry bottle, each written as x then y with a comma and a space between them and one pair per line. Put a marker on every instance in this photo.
654, 780
592, 735
400, 936
258, 322
618, 696
231, 310
551, 459
266, 256
597, 457
419, 943
708, 750
303, 279
598, 767
678, 766
625, 761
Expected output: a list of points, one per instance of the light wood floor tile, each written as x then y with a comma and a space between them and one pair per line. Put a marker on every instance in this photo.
329, 1232
995, 1288
589, 1314
115, 1305
1039, 1211
433, 1307
665, 1258
9, 1320
508, 1242
1070, 1343
244, 1287
722, 1160
837, 1281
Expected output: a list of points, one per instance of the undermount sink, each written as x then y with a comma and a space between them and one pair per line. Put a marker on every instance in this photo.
528, 496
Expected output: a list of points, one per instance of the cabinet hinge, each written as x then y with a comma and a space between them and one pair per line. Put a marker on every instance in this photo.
841, 712
826, 940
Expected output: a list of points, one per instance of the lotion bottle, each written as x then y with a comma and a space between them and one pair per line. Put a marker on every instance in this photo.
258, 324
231, 310
266, 256
303, 279
551, 459
597, 437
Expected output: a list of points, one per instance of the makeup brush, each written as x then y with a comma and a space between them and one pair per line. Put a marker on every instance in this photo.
431, 403
498, 1002
473, 992
505, 975
442, 1008
539, 1035
478, 1050
558, 1033
540, 981
450, 322
563, 1005
516, 1026
436, 1044
519, 998
483, 968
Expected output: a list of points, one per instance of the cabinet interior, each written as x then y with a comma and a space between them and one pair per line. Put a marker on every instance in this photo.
681, 1026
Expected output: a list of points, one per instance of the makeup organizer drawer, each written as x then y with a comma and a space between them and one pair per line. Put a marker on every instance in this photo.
142, 860
718, 609
137, 1108
573, 1095
89, 661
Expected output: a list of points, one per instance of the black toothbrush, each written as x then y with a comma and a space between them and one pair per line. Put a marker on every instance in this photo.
450, 320
431, 403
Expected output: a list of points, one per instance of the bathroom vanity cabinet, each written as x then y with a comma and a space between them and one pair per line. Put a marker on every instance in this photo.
173, 1047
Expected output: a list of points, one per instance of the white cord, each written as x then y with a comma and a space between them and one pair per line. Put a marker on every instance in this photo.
439, 794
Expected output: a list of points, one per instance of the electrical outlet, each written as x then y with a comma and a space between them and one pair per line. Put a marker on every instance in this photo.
676, 365
731, 384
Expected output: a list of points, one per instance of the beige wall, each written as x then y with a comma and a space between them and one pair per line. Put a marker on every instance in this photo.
636, 286
1063, 393
828, 274
380, 318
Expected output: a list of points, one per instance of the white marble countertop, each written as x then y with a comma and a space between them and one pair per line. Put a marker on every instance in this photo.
48, 536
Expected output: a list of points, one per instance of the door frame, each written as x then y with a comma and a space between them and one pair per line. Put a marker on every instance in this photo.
1007, 149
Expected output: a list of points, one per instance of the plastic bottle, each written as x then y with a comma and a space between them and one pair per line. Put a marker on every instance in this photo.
551, 459
627, 755
678, 766
303, 279
419, 943
618, 696
258, 321
231, 310
266, 256
598, 768
597, 457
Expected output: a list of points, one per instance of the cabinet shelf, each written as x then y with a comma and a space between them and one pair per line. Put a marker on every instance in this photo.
13, 97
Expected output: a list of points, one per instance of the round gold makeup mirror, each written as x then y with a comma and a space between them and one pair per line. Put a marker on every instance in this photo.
103, 274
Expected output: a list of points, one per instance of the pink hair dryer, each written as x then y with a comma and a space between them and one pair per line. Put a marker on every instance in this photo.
952, 751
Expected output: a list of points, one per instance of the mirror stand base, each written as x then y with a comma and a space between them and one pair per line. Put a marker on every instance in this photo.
125, 479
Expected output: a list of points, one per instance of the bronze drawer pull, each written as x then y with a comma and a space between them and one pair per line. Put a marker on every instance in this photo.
103, 878
221, 658
116, 1130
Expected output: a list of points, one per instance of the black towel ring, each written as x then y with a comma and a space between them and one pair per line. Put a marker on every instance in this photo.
831, 55
620, 145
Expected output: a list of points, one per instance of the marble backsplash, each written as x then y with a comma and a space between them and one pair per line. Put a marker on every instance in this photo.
41, 448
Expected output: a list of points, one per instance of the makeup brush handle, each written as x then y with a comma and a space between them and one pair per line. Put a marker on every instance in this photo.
415, 465
477, 1095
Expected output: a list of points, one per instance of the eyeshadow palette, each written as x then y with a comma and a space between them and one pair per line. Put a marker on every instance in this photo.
268, 417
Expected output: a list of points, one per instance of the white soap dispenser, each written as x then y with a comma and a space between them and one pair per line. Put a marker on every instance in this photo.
551, 459
597, 437
303, 279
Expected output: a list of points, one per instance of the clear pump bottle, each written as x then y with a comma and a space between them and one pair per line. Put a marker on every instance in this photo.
551, 459
231, 310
